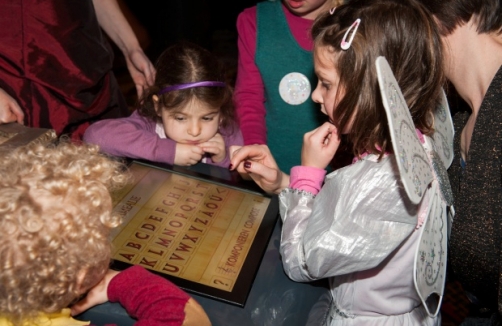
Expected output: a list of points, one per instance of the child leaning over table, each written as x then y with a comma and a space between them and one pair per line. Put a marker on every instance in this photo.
55, 217
382, 250
186, 117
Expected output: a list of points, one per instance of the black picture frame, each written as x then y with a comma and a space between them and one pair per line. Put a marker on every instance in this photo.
222, 177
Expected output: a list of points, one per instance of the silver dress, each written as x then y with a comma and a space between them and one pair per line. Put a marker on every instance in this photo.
378, 229
361, 233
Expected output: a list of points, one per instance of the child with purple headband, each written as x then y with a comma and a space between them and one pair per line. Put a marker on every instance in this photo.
186, 117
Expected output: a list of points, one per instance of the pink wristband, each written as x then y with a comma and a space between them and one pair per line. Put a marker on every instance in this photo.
307, 178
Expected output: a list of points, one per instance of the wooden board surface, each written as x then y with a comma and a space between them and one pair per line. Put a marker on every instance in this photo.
189, 229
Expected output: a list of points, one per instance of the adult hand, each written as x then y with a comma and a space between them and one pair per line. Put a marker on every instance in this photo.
320, 145
10, 111
97, 295
114, 23
259, 164
216, 147
187, 154
141, 70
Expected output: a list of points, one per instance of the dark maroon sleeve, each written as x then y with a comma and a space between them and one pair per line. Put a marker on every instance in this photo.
151, 299
57, 64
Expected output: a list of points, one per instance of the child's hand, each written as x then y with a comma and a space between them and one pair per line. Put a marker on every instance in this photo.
187, 154
216, 147
259, 164
97, 295
320, 145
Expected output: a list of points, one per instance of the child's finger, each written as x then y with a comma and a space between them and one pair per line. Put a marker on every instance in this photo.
262, 171
197, 150
80, 307
194, 159
211, 149
206, 143
326, 140
250, 153
232, 149
239, 167
318, 135
324, 133
271, 180
332, 137
211, 144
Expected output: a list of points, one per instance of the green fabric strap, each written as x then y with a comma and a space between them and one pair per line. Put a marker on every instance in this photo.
278, 54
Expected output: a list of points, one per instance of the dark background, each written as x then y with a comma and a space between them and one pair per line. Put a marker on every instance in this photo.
158, 24
193, 20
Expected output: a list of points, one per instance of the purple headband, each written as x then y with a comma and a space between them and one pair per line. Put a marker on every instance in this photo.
191, 85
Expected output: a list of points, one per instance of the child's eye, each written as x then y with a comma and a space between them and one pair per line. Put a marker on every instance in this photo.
210, 118
179, 118
324, 85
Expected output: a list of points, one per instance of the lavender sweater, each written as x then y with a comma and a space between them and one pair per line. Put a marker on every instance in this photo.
135, 137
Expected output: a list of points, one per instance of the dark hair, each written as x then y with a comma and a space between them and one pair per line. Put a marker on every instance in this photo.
405, 34
452, 13
182, 63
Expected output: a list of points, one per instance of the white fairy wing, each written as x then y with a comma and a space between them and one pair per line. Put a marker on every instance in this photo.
430, 257
443, 144
422, 167
411, 157
442, 148
443, 132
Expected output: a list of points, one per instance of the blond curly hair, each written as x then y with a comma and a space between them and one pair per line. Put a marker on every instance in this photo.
55, 217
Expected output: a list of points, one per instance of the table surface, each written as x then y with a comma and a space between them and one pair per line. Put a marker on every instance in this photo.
273, 300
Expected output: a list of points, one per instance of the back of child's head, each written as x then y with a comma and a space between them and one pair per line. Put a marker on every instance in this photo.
184, 63
55, 217
405, 34
454, 13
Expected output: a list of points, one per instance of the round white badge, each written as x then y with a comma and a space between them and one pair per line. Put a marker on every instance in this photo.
294, 88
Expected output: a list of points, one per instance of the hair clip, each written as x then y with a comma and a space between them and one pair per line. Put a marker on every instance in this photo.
344, 44
332, 10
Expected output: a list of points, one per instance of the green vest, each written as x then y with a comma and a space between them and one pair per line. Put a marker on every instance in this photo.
277, 55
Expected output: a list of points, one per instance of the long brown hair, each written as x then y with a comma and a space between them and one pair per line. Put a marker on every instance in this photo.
405, 34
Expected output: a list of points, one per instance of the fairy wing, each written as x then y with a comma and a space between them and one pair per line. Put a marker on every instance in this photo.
412, 159
430, 258
443, 132
421, 167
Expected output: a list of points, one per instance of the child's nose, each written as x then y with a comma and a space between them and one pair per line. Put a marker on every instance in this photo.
194, 129
316, 96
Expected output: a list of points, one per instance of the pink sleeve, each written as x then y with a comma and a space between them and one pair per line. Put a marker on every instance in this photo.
151, 299
249, 87
300, 28
307, 178
132, 137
